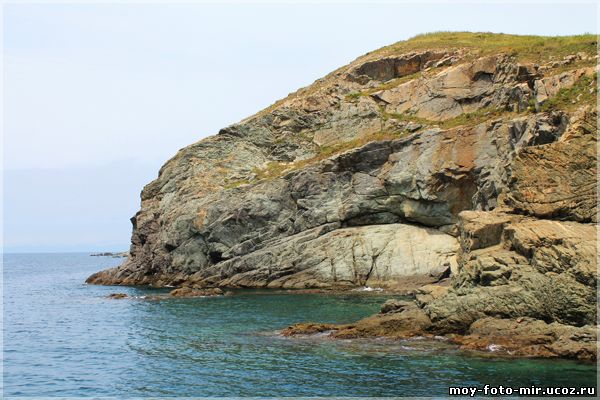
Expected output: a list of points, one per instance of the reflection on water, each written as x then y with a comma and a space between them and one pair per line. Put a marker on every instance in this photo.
65, 338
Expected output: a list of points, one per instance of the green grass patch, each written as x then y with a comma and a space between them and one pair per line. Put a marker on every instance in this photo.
272, 170
234, 184
465, 119
353, 97
526, 48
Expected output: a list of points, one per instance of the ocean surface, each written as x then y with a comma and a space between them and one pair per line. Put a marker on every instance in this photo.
65, 338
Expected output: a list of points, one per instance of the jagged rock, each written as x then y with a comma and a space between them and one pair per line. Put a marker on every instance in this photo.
308, 329
407, 322
483, 229
387, 68
540, 269
411, 127
440, 272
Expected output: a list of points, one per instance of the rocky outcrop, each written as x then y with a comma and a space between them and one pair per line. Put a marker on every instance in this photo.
540, 269
109, 254
422, 163
517, 337
387, 68
524, 287
489, 81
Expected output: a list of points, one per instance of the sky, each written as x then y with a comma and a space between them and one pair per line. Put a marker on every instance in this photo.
96, 97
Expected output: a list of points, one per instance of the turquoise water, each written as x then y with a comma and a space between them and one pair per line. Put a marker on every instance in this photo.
63, 338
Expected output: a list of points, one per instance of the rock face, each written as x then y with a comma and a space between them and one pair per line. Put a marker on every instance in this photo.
399, 164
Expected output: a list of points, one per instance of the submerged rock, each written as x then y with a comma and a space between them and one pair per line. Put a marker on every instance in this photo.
117, 296
308, 329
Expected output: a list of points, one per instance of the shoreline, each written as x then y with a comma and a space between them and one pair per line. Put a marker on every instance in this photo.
401, 319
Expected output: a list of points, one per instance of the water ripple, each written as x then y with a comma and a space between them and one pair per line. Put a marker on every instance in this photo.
62, 338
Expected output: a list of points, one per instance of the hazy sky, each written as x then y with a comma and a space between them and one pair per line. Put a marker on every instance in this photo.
97, 97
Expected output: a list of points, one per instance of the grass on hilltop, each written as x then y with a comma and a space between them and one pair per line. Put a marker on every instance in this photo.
526, 48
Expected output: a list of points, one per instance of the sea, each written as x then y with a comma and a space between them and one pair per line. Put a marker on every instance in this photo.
64, 338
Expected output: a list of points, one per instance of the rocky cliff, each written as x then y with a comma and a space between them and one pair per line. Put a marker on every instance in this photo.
469, 154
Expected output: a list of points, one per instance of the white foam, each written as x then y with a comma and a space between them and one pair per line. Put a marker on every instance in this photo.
494, 347
368, 289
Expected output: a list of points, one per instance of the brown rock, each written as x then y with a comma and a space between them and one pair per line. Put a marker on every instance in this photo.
308, 328
540, 269
407, 323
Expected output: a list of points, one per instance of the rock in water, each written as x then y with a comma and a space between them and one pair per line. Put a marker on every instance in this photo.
117, 296
413, 160
193, 292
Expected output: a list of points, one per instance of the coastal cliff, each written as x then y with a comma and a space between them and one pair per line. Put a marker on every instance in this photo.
453, 154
